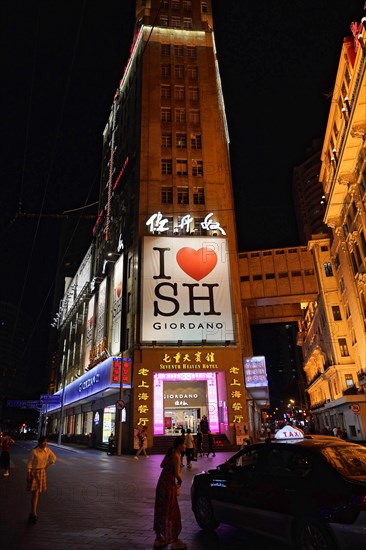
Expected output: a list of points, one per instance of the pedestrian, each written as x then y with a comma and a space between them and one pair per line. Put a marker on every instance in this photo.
204, 429
111, 444
199, 442
189, 442
6, 444
136, 437
167, 518
183, 434
40, 459
211, 444
143, 444
204, 425
335, 431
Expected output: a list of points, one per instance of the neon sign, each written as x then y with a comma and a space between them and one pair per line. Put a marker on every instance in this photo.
158, 224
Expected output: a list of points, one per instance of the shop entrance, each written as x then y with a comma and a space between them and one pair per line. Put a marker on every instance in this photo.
176, 419
182, 398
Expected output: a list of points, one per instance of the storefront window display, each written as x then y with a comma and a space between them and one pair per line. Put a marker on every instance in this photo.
109, 418
181, 399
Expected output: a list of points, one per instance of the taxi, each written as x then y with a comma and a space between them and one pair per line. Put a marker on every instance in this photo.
306, 491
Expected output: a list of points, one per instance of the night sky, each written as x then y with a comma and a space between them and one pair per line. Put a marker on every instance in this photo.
62, 62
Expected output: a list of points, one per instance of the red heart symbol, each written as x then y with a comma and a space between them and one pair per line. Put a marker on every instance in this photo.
196, 263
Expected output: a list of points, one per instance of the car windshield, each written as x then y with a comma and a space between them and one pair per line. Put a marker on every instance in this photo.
349, 461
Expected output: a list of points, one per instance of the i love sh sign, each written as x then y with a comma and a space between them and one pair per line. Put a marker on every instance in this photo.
186, 290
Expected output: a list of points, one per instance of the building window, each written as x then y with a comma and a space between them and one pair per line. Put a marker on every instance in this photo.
296, 273
167, 195
267, 253
179, 71
166, 167
341, 284
183, 196
282, 275
328, 269
178, 50
198, 195
179, 92
129, 298
166, 140
187, 5
336, 313
204, 7
192, 73
165, 50
180, 115
197, 167
175, 4
354, 263
181, 140
347, 76
175, 22
363, 243
343, 348
165, 92
257, 277
196, 141
165, 70
357, 254
278, 252
166, 114
349, 380
164, 4
193, 93
181, 167
309, 272
191, 51
187, 23
347, 310
244, 278
270, 276
164, 20
129, 267
194, 116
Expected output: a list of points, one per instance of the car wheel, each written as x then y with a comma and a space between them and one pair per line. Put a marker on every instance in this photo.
311, 534
202, 509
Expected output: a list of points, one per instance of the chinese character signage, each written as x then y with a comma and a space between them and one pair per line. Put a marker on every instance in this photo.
255, 372
186, 290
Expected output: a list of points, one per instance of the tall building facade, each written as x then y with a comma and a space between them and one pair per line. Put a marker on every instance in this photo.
308, 194
333, 335
151, 330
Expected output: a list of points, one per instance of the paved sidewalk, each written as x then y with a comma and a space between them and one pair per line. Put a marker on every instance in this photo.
97, 502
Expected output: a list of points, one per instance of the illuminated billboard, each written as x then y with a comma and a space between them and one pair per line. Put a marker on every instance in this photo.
186, 290
77, 285
117, 306
255, 372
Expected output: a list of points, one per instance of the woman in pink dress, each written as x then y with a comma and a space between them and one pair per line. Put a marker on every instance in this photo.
167, 520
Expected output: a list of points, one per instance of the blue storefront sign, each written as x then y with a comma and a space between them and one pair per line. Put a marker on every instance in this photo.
94, 381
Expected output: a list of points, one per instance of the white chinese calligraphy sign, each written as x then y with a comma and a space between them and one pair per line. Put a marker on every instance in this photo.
186, 290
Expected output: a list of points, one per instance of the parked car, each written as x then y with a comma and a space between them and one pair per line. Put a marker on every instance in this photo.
307, 491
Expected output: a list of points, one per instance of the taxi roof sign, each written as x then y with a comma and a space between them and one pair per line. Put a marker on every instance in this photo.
289, 432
